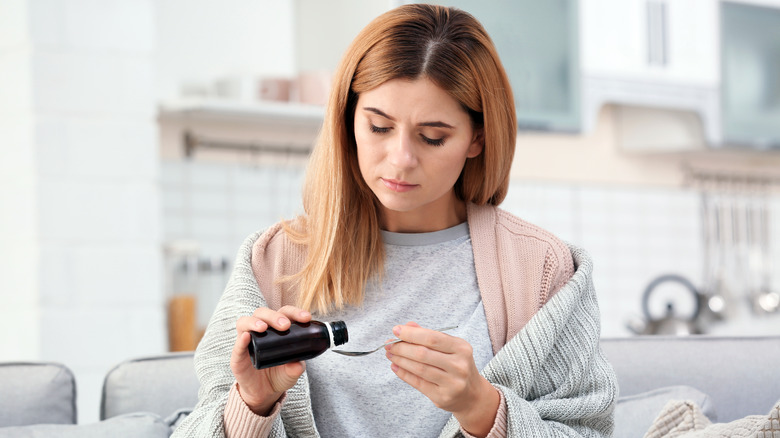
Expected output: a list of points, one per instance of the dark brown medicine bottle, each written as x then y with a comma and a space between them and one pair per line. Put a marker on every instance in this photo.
302, 341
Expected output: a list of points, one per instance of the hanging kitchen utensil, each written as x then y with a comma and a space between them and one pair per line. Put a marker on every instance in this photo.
709, 237
718, 278
764, 299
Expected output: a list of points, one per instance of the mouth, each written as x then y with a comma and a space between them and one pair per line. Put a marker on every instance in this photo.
398, 186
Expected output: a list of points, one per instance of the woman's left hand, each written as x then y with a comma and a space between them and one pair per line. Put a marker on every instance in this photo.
442, 368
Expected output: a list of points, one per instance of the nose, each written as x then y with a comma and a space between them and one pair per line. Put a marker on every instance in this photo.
401, 153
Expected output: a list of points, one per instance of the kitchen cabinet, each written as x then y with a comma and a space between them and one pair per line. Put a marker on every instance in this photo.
657, 55
537, 43
188, 125
751, 75
659, 41
707, 70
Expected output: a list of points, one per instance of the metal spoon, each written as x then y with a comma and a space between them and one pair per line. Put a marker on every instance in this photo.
363, 353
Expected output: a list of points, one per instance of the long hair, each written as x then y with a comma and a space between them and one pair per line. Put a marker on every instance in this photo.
340, 227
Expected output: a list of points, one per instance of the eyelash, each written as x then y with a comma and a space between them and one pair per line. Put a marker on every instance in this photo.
430, 141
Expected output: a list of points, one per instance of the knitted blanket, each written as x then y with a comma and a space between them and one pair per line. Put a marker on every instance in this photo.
554, 377
556, 381
684, 419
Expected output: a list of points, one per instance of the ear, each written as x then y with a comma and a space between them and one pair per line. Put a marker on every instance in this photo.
477, 144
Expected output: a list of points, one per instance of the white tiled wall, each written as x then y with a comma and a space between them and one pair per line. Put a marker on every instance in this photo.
218, 206
221, 204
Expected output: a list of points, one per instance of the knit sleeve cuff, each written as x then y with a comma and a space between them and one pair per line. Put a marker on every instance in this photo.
241, 422
499, 425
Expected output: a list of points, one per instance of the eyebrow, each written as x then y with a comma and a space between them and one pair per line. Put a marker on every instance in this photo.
436, 124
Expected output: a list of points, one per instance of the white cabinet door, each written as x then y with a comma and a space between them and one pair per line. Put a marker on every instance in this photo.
611, 39
659, 54
655, 40
694, 43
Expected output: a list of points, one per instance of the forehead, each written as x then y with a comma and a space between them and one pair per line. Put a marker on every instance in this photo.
405, 98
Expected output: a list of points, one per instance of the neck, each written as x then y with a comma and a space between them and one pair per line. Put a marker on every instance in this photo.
421, 220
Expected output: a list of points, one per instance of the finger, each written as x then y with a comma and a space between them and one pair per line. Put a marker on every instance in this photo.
240, 346
285, 376
250, 323
415, 334
425, 371
425, 387
295, 314
239, 357
273, 318
295, 369
421, 354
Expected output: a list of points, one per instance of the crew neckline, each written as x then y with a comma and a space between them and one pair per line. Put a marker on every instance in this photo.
429, 238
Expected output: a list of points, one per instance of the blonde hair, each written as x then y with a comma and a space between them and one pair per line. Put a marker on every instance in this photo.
340, 227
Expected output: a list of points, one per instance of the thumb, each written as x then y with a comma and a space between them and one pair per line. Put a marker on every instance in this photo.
285, 376
294, 370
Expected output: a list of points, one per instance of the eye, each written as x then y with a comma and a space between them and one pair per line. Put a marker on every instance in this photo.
378, 130
433, 141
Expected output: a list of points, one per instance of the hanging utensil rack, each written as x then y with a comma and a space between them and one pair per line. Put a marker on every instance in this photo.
192, 142
736, 218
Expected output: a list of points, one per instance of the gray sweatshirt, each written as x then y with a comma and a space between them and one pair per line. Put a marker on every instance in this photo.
543, 322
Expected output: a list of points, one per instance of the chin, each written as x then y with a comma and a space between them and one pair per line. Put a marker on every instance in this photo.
398, 206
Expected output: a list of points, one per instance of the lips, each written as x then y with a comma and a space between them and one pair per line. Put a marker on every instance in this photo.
398, 186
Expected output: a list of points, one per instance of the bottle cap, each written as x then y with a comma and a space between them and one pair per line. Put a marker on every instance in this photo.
340, 334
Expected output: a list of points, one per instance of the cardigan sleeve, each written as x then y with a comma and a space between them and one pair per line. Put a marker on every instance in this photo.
241, 422
499, 425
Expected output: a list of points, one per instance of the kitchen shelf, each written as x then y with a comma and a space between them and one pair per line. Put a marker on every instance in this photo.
226, 110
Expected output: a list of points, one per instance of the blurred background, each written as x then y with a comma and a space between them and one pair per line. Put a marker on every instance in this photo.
141, 141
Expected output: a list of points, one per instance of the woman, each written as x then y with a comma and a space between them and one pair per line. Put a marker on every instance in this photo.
401, 224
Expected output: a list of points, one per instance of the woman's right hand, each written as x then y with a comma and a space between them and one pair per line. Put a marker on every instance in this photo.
261, 389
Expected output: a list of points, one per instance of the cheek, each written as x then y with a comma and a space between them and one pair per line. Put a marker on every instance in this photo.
365, 161
453, 170
452, 162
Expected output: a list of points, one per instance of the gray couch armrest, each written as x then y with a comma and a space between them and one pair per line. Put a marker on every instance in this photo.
35, 393
161, 384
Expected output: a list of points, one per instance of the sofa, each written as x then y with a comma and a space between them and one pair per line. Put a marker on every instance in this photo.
728, 377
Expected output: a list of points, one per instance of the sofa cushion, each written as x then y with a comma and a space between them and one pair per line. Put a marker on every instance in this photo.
140, 425
635, 414
159, 384
36, 392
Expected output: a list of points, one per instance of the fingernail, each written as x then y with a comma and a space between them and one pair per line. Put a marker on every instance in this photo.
389, 355
394, 367
258, 323
304, 314
282, 321
397, 330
